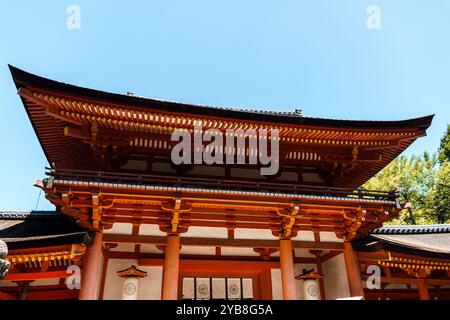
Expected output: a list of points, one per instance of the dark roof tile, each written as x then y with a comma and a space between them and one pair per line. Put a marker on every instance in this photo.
413, 229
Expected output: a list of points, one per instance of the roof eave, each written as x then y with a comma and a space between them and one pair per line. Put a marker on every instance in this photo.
26, 79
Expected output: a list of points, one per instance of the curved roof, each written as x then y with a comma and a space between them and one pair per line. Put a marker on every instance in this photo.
64, 115
23, 78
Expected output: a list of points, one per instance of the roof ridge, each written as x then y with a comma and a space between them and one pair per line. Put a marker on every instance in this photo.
413, 229
24, 214
249, 109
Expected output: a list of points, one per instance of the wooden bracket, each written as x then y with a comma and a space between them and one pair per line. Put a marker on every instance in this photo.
288, 220
176, 210
265, 252
97, 208
354, 222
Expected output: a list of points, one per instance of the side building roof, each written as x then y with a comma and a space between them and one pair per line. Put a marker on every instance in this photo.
32, 229
423, 240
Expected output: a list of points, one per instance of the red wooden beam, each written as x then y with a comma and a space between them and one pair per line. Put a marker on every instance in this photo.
64, 294
7, 296
30, 276
216, 242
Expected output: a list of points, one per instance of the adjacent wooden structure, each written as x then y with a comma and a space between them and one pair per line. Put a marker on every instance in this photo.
414, 261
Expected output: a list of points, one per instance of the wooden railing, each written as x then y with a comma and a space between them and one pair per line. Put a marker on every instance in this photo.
238, 185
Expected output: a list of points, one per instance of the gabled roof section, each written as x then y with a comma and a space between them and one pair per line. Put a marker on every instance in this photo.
32, 229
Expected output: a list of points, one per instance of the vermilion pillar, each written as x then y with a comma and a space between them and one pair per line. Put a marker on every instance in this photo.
171, 268
287, 270
423, 290
89, 275
353, 273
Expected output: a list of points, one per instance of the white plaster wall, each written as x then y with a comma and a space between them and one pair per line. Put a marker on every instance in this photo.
335, 278
198, 250
120, 228
327, 236
241, 233
150, 286
304, 236
206, 232
302, 253
230, 251
277, 290
150, 230
150, 248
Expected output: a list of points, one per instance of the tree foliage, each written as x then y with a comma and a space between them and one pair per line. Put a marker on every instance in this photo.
423, 181
440, 195
444, 150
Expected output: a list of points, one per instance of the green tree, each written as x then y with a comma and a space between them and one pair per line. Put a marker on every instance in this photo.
424, 181
440, 195
414, 177
444, 149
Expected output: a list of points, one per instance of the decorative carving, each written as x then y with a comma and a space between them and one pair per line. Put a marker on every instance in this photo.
265, 252
132, 272
233, 289
312, 290
203, 289
129, 289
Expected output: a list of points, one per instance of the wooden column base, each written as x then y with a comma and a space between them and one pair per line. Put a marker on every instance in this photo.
89, 275
423, 289
353, 273
287, 270
171, 268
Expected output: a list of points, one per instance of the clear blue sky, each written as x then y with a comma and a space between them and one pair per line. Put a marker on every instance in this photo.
315, 55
